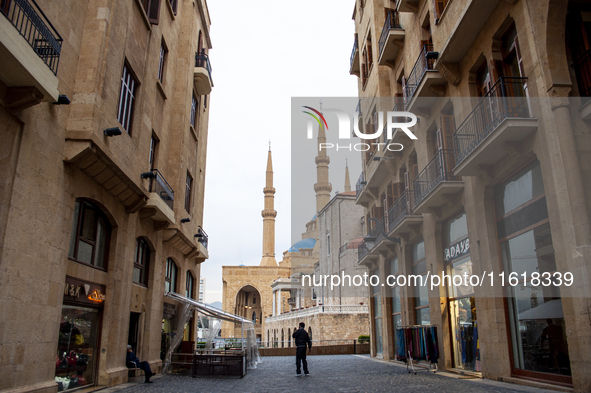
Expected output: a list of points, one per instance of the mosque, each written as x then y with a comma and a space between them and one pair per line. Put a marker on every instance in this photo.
273, 288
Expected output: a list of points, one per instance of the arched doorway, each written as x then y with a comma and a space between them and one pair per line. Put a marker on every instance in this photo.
248, 305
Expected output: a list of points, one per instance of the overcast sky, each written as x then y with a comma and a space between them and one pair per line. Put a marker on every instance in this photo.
264, 53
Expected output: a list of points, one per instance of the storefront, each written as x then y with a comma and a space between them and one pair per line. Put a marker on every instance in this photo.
78, 341
539, 346
461, 303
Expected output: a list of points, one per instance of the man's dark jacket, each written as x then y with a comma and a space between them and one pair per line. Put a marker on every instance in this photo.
301, 338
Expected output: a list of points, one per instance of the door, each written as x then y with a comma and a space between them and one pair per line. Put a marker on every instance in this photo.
132, 337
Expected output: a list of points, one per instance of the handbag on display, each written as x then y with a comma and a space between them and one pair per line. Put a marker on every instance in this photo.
72, 358
82, 360
74, 382
82, 380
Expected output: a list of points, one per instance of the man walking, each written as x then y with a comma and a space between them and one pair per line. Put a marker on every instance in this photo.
302, 340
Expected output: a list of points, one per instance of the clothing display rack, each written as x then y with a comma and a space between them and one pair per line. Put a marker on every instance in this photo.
415, 343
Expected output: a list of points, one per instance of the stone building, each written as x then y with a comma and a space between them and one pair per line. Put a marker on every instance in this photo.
104, 123
337, 312
494, 184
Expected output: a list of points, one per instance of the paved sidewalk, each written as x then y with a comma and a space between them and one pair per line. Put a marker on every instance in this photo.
333, 373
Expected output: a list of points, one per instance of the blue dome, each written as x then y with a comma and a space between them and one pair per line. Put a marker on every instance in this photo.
304, 243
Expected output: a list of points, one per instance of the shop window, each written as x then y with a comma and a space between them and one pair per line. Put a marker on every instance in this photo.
77, 351
171, 276
538, 334
90, 236
421, 293
127, 99
189, 286
141, 262
377, 305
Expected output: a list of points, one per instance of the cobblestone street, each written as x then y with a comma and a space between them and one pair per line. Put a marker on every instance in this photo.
334, 373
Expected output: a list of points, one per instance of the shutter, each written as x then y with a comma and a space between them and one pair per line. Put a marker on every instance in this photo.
447, 130
369, 51
153, 11
199, 42
438, 7
519, 59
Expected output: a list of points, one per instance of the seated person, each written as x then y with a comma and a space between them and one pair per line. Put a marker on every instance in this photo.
131, 358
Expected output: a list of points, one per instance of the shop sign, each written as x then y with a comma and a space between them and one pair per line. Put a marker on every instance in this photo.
457, 250
84, 292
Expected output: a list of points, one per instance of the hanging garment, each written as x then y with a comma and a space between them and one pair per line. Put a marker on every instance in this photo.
400, 345
463, 341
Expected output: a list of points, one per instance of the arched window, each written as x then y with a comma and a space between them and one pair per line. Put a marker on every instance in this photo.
282, 338
141, 262
189, 292
90, 236
254, 317
171, 273
310, 332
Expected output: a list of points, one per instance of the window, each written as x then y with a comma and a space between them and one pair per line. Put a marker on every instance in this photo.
421, 293
367, 60
328, 244
174, 5
535, 311
171, 273
91, 231
162, 61
189, 286
152, 8
141, 262
126, 99
194, 111
439, 7
153, 151
188, 192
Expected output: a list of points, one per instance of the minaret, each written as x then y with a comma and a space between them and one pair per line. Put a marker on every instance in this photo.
347, 181
269, 215
322, 186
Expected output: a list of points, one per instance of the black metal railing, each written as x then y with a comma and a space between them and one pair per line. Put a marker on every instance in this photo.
160, 186
362, 250
400, 209
421, 66
438, 170
355, 49
582, 68
392, 22
33, 25
360, 183
202, 60
506, 99
202, 237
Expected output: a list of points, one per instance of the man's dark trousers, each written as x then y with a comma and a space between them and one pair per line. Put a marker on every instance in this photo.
301, 357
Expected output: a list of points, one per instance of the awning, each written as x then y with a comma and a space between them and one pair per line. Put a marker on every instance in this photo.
208, 310
547, 310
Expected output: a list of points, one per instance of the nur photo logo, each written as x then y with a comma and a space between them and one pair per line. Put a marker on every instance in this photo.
391, 123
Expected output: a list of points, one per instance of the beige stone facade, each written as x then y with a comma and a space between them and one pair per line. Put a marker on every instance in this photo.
437, 60
77, 205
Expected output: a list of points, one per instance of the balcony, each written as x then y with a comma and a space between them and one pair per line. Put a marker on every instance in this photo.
436, 182
360, 184
407, 5
354, 68
202, 74
464, 30
499, 121
582, 68
202, 237
401, 217
161, 202
30, 49
391, 40
424, 82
